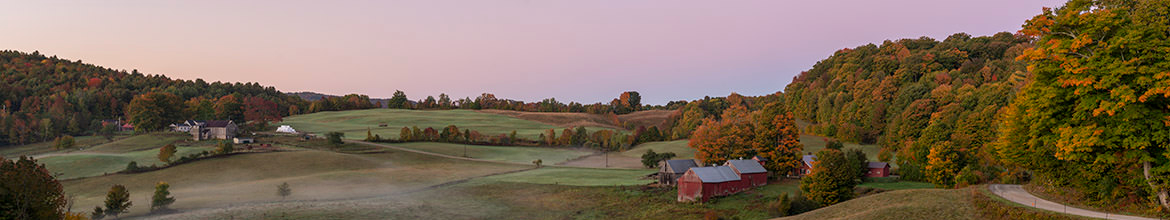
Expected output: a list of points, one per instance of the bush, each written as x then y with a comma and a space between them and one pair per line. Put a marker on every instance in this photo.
1014, 176
225, 147
63, 142
801, 204
967, 176
334, 137
650, 159
780, 207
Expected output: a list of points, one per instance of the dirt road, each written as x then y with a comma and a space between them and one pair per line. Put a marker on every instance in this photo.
1017, 194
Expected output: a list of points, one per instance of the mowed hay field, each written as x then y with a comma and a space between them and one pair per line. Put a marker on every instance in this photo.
647, 118
575, 177
47, 146
87, 164
314, 175
517, 154
632, 158
354, 123
901, 205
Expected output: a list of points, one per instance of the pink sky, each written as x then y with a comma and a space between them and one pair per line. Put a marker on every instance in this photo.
585, 50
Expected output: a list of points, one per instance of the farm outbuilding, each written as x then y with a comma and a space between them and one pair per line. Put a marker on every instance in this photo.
217, 129
286, 129
806, 165
704, 183
750, 172
878, 169
670, 170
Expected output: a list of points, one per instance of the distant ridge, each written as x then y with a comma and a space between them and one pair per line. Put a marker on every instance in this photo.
314, 96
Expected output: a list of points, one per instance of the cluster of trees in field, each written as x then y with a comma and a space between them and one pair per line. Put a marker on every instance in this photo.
1078, 98
42, 97
692, 114
627, 102
604, 139
744, 130
931, 102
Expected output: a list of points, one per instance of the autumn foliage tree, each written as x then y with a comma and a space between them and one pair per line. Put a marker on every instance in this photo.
29, 191
742, 134
166, 152
1095, 115
153, 111
831, 180
260, 109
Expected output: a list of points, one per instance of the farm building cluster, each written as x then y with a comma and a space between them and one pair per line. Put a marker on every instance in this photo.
699, 183
208, 130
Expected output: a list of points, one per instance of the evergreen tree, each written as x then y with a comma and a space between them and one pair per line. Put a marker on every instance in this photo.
117, 201
162, 197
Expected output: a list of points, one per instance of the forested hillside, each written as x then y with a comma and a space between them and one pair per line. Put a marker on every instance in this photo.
931, 102
43, 97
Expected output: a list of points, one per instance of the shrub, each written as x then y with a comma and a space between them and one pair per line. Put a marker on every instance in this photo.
334, 137
225, 147
801, 204
780, 207
650, 159
63, 142
967, 176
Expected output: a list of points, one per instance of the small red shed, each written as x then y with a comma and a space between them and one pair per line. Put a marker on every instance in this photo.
878, 169
806, 165
704, 183
750, 172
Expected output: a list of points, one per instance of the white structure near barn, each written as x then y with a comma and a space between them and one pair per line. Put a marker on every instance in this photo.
286, 129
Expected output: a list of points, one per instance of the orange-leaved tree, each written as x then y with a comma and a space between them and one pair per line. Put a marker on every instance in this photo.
1096, 114
742, 134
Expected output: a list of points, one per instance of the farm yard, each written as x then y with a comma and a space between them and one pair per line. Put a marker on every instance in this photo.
357, 180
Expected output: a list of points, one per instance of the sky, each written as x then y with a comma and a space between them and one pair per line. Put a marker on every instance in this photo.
584, 50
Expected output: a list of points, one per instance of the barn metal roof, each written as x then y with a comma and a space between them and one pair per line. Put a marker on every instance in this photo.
747, 166
717, 174
680, 166
878, 164
217, 123
809, 159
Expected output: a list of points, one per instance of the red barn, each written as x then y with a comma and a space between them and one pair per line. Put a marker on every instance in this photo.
704, 183
878, 169
749, 171
806, 165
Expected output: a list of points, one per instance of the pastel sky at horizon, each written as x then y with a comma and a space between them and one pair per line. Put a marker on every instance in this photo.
583, 51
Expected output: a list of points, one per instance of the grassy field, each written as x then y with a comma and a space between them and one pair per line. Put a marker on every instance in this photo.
315, 175
355, 122
83, 164
139, 142
898, 185
547, 155
47, 147
901, 205
679, 148
575, 177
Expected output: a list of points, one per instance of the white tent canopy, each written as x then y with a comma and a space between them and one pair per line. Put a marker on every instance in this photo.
286, 129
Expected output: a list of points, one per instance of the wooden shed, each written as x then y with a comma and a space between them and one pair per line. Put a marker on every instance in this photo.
670, 170
750, 172
878, 169
806, 165
704, 183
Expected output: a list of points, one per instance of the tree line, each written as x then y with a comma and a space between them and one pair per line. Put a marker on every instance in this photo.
42, 98
1077, 99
